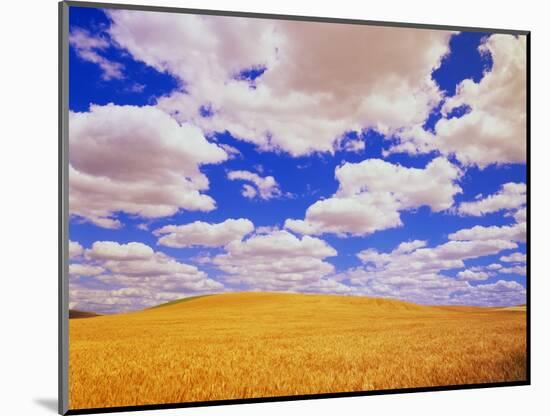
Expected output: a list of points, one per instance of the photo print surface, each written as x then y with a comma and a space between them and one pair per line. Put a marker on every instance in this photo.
265, 208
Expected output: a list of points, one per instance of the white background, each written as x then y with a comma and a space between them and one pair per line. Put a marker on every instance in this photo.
28, 188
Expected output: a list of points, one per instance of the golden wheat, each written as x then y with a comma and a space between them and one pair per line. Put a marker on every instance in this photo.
249, 345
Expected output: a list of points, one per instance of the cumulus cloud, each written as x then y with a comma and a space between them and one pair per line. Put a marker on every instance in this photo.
124, 277
136, 160
472, 275
275, 261
355, 146
149, 293
373, 192
359, 215
514, 232
75, 249
500, 293
263, 187
87, 47
231, 151
413, 271
200, 233
266, 229
516, 257
410, 246
493, 131
521, 270
520, 215
449, 255
433, 186
510, 196
77, 269
111, 250
318, 81
138, 260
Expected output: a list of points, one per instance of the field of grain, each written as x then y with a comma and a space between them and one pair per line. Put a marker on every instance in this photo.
247, 345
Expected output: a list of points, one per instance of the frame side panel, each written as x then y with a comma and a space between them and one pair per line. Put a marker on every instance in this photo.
63, 172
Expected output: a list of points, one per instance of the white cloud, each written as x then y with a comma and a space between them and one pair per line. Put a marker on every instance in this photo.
315, 88
111, 250
412, 272
511, 196
87, 46
358, 215
472, 275
373, 192
249, 191
433, 186
266, 229
371, 255
138, 260
494, 131
124, 299
75, 249
124, 277
231, 151
200, 233
409, 246
500, 293
355, 146
202, 258
264, 187
520, 215
449, 255
275, 261
516, 257
521, 270
446, 256
77, 269
514, 232
136, 160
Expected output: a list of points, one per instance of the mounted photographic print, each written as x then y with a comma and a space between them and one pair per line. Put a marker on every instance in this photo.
264, 207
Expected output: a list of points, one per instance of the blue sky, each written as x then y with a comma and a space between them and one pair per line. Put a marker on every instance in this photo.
451, 109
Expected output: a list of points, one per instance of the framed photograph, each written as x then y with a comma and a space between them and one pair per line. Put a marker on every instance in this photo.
264, 207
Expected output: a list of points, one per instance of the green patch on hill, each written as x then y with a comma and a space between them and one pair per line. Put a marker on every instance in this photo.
175, 302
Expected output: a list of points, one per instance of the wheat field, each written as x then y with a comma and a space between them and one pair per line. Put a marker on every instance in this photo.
247, 345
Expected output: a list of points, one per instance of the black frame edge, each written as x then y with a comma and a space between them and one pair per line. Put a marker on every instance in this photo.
293, 398
256, 15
